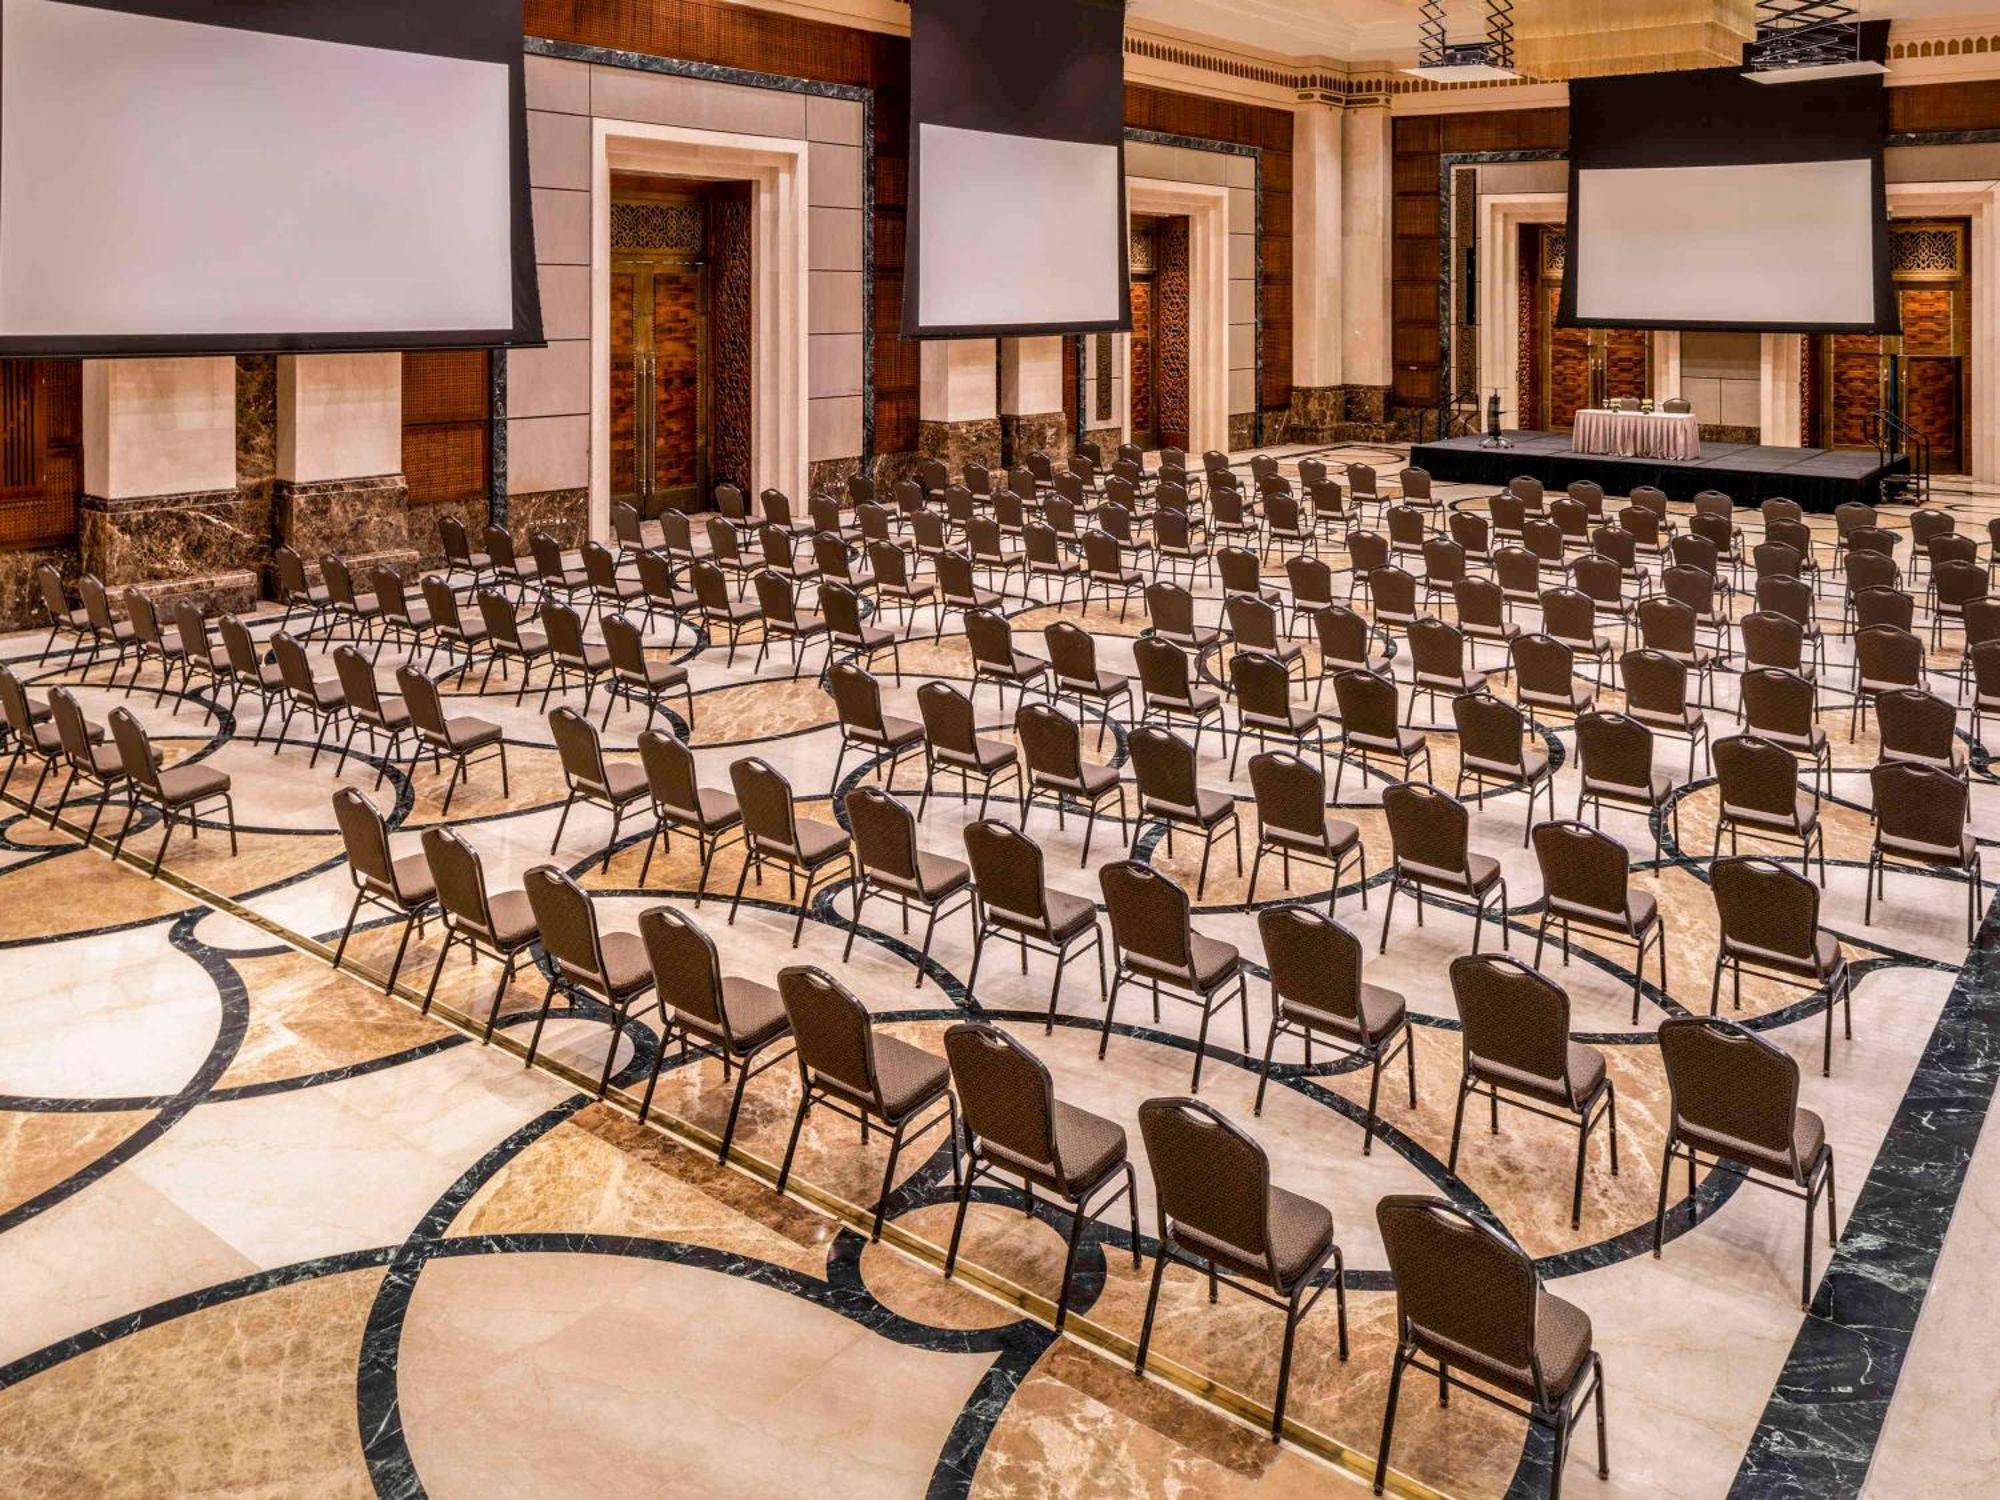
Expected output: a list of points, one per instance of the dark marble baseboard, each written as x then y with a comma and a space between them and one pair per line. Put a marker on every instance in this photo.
1242, 431
956, 444
564, 514
1022, 433
828, 476
141, 538
423, 525
358, 516
1716, 432
891, 468
1107, 438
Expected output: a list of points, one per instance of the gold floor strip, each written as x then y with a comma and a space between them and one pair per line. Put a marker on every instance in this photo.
1078, 1328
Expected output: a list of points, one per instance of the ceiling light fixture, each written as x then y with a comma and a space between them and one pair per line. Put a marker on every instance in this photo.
1466, 62
1799, 40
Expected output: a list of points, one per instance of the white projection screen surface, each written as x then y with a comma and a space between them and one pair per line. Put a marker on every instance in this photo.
171, 185
1773, 244
992, 250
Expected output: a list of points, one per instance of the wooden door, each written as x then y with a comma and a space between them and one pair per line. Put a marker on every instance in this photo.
1142, 362
1579, 360
1857, 373
1932, 377
658, 405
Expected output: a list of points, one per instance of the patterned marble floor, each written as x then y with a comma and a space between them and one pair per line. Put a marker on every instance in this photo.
265, 1230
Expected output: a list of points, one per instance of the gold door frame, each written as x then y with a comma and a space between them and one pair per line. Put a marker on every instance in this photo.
682, 252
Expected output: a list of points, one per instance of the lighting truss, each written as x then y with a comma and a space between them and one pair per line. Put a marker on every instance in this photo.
1804, 34
1495, 53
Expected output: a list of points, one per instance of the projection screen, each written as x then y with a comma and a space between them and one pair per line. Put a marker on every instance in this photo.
184, 176
1704, 200
1017, 198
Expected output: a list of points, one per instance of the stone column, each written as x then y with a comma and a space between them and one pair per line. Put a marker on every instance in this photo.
1031, 405
160, 504
1366, 196
339, 484
959, 408
1319, 403
1778, 392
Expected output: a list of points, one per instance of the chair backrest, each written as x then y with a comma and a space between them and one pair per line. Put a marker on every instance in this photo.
1527, 489
991, 638
1667, 624
1252, 621
670, 771
884, 832
857, 697
1763, 906
1007, 869
357, 681
1871, 570
1490, 732
831, 1029
776, 598
1921, 808
1051, 743
769, 819
1788, 596
1918, 724
364, 835
626, 644
1517, 570
1852, 513
499, 544
1694, 587
1725, 1080
1209, 1176
1005, 1093
1367, 551
1616, 750
1886, 654
1261, 684
1599, 577
193, 628
600, 567
443, 605
1543, 665
1444, 561
1654, 682
1470, 531
567, 921
548, 553
1290, 793
949, 721
459, 876
1436, 649
1314, 960
1778, 701
1149, 914
55, 601
1512, 1016
1463, 1291
135, 748
1757, 775
687, 971
96, 603
1957, 581
1164, 765
496, 612
1428, 829
564, 630
579, 749
1777, 559
1617, 544
293, 666
1480, 601
1393, 590
1072, 651
425, 703
1583, 868
1649, 497
1719, 531
1368, 704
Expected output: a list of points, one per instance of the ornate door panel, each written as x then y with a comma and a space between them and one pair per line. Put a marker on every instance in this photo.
1142, 362
1857, 373
678, 428
1566, 384
625, 341
1627, 363
1931, 405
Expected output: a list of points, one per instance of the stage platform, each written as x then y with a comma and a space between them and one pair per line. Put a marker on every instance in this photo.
1818, 478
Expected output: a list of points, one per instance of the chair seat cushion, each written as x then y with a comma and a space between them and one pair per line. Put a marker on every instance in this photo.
1380, 1012
468, 733
907, 1077
513, 918
1068, 915
624, 781
1300, 1232
819, 842
183, 784
626, 963
1562, 1341
413, 879
756, 1012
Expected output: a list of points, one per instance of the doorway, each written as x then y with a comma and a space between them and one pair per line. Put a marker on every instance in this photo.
1921, 376
677, 267
1568, 369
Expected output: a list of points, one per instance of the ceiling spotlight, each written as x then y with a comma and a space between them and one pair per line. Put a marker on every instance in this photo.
1465, 62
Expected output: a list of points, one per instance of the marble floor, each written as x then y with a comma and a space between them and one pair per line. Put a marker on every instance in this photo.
267, 1230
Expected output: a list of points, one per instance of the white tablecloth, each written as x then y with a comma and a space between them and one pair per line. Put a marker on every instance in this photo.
1637, 434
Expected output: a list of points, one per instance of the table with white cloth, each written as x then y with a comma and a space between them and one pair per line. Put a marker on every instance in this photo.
1637, 434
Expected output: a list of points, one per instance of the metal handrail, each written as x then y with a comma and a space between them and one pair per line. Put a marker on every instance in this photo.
1893, 437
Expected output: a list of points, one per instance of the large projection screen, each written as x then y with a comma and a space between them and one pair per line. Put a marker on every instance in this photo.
1017, 196
1739, 205
203, 176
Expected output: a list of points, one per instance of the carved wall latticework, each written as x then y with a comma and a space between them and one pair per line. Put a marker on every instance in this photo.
1928, 249
1140, 250
730, 273
1171, 311
1527, 367
1103, 372
639, 225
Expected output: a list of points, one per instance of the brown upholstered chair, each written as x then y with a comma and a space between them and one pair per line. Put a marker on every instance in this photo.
1587, 882
1220, 1213
1073, 661
857, 700
1885, 658
1317, 990
895, 585
774, 833
1735, 1097
1769, 919
1293, 823
615, 786
889, 864
995, 660
1105, 568
243, 668
1515, 1026
1052, 752
1782, 707
1168, 792
557, 575
359, 610
500, 927
466, 740
953, 745
1170, 611
507, 641
1921, 815
386, 719
1368, 727
1438, 664
1155, 945
509, 568
1015, 1125
1615, 755
636, 677
1347, 643
1013, 902
323, 701
451, 631
1470, 1298
734, 1019
721, 614
1429, 840
404, 886
1545, 678
177, 791
848, 631
1495, 750
1264, 707
848, 1066
778, 607
1656, 694
1984, 660
1919, 728
161, 645
1481, 607
681, 803
1168, 691
585, 963
1758, 783
572, 659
